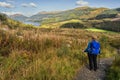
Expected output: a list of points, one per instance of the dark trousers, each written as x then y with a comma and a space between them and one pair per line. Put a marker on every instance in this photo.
92, 61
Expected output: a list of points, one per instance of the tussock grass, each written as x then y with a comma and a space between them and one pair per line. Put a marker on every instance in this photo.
113, 72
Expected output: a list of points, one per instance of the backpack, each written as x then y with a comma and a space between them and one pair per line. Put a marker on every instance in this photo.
95, 47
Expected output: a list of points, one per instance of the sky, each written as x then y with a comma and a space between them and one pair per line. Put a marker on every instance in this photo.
31, 7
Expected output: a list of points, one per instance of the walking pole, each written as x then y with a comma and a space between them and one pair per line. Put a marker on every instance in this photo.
99, 61
83, 58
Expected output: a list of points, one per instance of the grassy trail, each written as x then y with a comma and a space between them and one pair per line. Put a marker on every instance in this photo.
100, 74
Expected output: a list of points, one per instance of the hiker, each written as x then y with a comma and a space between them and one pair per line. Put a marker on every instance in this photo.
93, 49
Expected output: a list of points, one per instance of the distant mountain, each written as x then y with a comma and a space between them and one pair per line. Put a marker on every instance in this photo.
62, 15
81, 13
39, 17
18, 17
42, 15
51, 12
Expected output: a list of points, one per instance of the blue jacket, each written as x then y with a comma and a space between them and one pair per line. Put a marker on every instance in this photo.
93, 47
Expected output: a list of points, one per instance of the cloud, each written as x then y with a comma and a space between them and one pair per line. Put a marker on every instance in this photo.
6, 5
33, 5
29, 5
82, 3
11, 13
25, 5
10, 1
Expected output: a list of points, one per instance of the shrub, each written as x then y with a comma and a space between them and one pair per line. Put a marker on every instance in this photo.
72, 25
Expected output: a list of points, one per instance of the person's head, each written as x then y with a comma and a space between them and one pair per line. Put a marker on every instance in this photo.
94, 37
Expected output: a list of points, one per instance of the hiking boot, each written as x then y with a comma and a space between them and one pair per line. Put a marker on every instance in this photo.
95, 69
90, 69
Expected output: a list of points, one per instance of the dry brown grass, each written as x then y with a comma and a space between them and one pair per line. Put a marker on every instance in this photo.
46, 54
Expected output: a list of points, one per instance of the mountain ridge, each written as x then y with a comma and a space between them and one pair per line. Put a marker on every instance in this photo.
18, 17
76, 13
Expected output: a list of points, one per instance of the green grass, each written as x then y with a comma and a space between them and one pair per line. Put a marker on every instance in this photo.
97, 30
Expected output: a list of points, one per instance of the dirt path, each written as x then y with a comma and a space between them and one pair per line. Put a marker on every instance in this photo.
86, 74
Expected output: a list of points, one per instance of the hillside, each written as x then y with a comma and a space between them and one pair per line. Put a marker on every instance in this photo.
112, 13
8, 23
102, 18
85, 17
